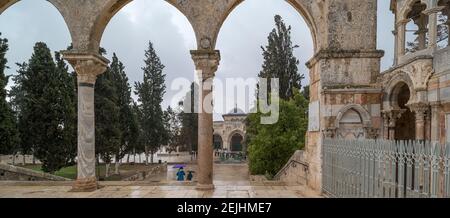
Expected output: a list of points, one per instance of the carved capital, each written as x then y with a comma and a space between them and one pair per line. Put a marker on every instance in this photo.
420, 73
371, 133
329, 132
87, 66
206, 62
420, 109
391, 117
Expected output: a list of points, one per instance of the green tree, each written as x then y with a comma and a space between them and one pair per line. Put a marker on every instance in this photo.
173, 128
46, 115
271, 146
279, 60
108, 133
150, 96
189, 120
127, 121
9, 136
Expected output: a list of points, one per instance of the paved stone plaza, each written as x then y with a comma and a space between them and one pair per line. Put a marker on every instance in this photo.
126, 190
231, 181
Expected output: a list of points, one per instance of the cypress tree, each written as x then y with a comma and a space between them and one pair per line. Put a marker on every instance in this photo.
279, 60
127, 121
151, 92
189, 120
9, 137
44, 98
107, 122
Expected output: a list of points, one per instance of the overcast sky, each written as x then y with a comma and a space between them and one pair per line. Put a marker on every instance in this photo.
128, 33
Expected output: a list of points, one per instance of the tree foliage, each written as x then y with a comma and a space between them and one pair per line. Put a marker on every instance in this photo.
150, 96
9, 136
279, 60
271, 146
44, 102
189, 120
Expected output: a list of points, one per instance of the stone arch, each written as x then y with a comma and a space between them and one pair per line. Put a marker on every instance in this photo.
230, 137
299, 5
6, 4
352, 122
407, 8
391, 88
108, 12
366, 119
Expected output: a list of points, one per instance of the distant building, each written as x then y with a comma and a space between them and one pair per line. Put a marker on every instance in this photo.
229, 134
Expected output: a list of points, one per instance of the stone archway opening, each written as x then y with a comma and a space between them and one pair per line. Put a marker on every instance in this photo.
405, 125
22, 37
127, 32
21, 24
237, 143
254, 29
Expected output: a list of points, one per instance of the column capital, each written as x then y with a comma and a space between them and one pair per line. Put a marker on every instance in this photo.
434, 10
402, 23
206, 61
420, 110
393, 116
419, 107
435, 104
329, 132
371, 132
87, 66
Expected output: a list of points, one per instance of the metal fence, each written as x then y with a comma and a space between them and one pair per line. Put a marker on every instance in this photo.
385, 169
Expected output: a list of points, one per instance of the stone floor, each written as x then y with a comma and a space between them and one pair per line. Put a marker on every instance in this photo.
148, 191
231, 181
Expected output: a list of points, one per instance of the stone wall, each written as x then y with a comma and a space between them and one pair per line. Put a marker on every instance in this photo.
295, 172
14, 173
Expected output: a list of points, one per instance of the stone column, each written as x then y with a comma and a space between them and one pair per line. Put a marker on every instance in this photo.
420, 110
428, 126
435, 122
87, 67
401, 38
385, 125
448, 26
421, 22
393, 116
433, 25
395, 33
206, 63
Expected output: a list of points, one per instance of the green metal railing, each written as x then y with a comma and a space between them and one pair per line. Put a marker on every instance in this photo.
385, 169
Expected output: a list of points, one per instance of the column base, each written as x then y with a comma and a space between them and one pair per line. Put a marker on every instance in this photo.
85, 185
205, 187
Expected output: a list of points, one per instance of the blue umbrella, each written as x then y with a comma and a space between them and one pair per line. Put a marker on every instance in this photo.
179, 166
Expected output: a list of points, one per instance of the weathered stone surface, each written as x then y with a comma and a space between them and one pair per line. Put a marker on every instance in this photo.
345, 70
14, 173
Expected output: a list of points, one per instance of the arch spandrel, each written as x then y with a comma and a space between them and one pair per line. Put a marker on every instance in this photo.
4, 4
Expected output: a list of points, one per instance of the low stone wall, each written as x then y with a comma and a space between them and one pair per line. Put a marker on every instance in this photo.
144, 174
8, 159
295, 171
14, 173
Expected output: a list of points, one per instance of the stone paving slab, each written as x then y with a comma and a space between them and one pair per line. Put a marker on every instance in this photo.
131, 191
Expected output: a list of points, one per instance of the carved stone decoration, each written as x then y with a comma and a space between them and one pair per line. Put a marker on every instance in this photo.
329, 133
371, 133
206, 62
205, 43
420, 73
